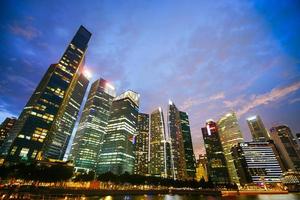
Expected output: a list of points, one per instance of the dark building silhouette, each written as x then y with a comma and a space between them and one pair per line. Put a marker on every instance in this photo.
5, 127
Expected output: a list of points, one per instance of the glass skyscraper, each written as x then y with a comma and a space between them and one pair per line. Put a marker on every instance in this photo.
217, 167
5, 128
287, 146
117, 151
230, 135
159, 152
92, 127
45, 125
190, 161
141, 166
257, 129
177, 143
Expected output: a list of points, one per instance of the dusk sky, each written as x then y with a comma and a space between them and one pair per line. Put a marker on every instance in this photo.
208, 57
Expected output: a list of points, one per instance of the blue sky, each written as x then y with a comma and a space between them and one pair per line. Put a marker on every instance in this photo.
208, 57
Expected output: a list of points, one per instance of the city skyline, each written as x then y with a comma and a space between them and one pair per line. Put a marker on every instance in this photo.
119, 53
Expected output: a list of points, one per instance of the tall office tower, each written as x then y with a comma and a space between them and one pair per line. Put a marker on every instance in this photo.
177, 144
142, 145
256, 162
257, 129
5, 127
190, 161
230, 135
92, 127
201, 168
117, 151
298, 138
159, 152
217, 168
287, 146
45, 125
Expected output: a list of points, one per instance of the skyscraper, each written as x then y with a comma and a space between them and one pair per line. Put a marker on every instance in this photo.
287, 146
217, 168
117, 151
256, 162
5, 127
190, 162
159, 152
177, 143
230, 135
45, 125
92, 126
201, 168
257, 129
142, 145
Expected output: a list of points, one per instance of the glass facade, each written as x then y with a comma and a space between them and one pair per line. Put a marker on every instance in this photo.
177, 144
159, 152
230, 135
256, 162
5, 128
44, 127
141, 166
257, 129
117, 151
92, 127
188, 145
217, 167
287, 146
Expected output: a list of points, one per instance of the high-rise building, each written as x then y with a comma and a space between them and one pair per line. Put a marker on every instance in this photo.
92, 127
45, 125
256, 162
201, 168
217, 167
142, 145
257, 129
177, 143
5, 127
230, 135
287, 146
298, 138
190, 162
159, 152
117, 151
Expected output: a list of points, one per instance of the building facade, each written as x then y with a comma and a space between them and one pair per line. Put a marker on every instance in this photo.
201, 168
230, 135
216, 162
159, 151
257, 129
5, 128
141, 166
117, 151
92, 127
287, 146
257, 163
177, 144
190, 161
45, 125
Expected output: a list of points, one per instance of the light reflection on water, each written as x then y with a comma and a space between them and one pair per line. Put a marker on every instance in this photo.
291, 196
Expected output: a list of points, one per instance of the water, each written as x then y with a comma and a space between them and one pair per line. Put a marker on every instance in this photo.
291, 196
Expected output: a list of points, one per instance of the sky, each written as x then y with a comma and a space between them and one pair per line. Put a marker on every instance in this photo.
208, 57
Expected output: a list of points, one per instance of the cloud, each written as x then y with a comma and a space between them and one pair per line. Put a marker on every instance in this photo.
28, 32
294, 100
190, 102
264, 99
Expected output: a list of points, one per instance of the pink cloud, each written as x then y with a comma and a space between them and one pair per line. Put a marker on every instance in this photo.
28, 32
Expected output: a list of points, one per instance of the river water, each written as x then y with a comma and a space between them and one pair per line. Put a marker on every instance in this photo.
291, 196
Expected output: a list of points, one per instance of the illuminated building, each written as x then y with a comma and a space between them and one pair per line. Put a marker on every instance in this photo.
92, 126
230, 135
117, 151
256, 162
287, 146
142, 145
45, 125
257, 129
201, 168
5, 127
159, 152
190, 162
298, 138
216, 162
177, 143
